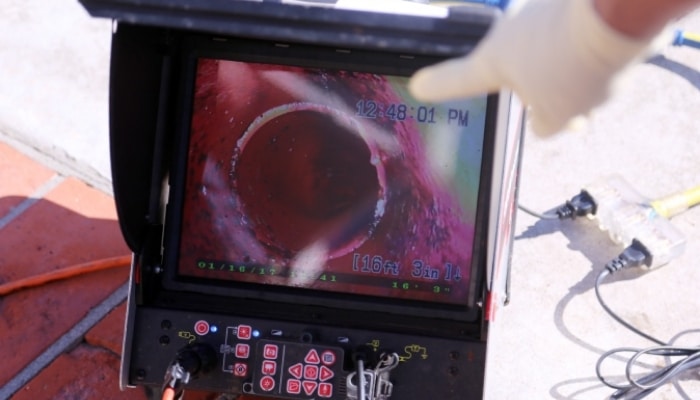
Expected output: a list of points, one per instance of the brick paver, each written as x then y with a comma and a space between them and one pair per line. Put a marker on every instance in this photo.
19, 177
71, 223
48, 222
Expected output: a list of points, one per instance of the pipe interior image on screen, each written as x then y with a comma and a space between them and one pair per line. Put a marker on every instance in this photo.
330, 180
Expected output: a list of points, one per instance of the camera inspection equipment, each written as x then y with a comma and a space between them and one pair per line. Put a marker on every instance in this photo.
301, 226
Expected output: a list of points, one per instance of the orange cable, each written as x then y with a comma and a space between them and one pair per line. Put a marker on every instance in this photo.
63, 273
168, 393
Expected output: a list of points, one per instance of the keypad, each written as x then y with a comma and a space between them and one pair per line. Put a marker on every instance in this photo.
296, 370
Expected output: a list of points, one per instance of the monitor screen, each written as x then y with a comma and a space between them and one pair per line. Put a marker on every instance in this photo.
329, 180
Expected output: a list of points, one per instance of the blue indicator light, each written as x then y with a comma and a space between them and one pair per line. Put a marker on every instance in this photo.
213, 328
256, 333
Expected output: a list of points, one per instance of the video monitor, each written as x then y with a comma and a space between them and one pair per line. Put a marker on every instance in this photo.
318, 180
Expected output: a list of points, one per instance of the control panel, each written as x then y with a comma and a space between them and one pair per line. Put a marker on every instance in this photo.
297, 361
293, 370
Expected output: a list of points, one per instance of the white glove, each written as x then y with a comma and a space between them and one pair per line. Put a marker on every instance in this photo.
559, 56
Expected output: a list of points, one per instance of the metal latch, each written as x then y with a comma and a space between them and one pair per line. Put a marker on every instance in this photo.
375, 383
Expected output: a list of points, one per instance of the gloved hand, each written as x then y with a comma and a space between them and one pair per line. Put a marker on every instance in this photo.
559, 56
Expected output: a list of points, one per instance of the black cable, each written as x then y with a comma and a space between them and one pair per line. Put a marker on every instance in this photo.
652, 381
635, 255
536, 214
604, 273
638, 388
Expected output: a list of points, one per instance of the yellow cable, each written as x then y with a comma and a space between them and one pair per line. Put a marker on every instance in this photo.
692, 36
677, 203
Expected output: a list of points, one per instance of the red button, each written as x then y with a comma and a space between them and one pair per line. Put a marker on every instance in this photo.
270, 351
242, 350
328, 357
310, 372
309, 387
296, 370
244, 332
312, 357
267, 383
240, 369
325, 373
201, 327
269, 367
325, 390
293, 386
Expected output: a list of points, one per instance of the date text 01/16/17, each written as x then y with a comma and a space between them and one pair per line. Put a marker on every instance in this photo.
400, 112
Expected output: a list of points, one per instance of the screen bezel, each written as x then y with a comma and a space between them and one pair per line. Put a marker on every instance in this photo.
385, 63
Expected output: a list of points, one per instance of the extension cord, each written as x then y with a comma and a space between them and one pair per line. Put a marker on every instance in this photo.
627, 215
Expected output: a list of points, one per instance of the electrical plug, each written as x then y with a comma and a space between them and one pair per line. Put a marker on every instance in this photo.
634, 255
581, 205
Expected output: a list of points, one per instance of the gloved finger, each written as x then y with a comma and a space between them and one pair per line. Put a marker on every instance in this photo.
545, 124
544, 127
457, 78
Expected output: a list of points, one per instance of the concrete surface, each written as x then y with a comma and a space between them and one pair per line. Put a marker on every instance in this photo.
54, 77
547, 341
53, 104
